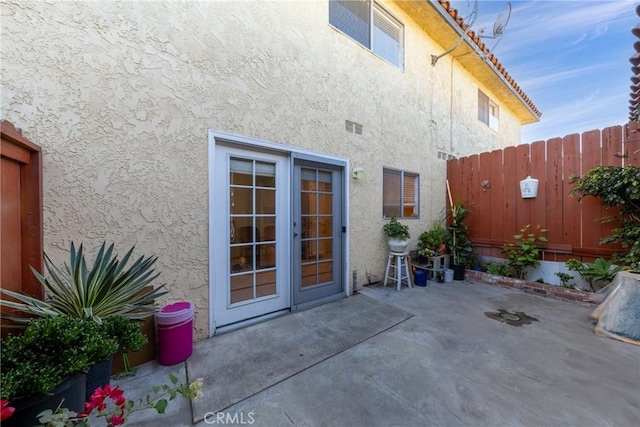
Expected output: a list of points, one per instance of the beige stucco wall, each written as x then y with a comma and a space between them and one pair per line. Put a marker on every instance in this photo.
121, 95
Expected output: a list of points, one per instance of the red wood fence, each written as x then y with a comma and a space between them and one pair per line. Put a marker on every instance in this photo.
489, 186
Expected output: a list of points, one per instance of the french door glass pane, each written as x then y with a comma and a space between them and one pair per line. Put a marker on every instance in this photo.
309, 229
325, 226
265, 201
309, 275
308, 203
317, 221
241, 287
252, 213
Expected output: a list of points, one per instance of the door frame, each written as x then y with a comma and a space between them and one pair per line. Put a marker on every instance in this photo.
217, 137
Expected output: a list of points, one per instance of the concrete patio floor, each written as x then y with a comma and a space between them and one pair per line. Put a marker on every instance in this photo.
447, 365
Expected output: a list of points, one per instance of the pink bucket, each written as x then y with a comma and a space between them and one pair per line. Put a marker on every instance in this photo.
175, 333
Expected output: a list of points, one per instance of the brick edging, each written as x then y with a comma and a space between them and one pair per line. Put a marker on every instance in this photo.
535, 288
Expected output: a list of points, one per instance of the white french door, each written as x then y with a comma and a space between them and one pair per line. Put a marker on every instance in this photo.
251, 234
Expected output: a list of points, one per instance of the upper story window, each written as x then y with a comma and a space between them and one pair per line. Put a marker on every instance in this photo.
488, 111
400, 194
385, 37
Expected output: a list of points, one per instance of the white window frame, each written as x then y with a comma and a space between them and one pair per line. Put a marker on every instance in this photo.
401, 204
488, 111
375, 42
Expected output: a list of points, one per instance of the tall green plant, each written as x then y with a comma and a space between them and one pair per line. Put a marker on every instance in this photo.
524, 253
459, 243
108, 288
599, 272
617, 187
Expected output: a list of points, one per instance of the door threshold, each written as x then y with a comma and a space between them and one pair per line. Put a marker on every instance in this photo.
248, 322
319, 301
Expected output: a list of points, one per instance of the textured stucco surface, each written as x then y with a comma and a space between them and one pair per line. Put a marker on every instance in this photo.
120, 96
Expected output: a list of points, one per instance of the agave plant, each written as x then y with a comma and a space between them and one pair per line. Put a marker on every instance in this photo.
107, 289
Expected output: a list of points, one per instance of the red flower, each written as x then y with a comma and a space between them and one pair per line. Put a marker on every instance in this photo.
5, 410
98, 401
115, 420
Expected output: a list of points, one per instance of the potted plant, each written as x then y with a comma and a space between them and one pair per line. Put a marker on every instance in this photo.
424, 253
473, 261
110, 287
459, 244
47, 363
127, 334
434, 239
398, 235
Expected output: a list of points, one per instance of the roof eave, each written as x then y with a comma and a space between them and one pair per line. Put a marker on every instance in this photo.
476, 60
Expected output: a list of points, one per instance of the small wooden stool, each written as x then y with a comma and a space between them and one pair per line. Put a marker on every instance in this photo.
398, 266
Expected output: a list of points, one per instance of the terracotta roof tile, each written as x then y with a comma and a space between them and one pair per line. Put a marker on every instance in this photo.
492, 58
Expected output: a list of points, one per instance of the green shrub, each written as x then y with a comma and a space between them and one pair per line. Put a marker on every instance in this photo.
524, 253
50, 350
617, 187
497, 269
126, 333
564, 279
600, 272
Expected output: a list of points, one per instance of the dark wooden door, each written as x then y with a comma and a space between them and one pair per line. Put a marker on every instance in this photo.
20, 212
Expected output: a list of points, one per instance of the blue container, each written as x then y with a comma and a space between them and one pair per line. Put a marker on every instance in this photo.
420, 277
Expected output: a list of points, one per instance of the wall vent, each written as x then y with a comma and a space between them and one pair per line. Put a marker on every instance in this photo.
444, 156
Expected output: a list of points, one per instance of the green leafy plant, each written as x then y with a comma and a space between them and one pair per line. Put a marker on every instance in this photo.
128, 335
473, 259
600, 272
459, 242
426, 252
524, 253
396, 230
125, 332
107, 289
497, 269
50, 350
434, 238
617, 187
564, 279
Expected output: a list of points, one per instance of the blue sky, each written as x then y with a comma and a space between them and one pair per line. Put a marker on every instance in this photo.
570, 57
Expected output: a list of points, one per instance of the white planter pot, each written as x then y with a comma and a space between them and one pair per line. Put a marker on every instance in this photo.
398, 245
529, 188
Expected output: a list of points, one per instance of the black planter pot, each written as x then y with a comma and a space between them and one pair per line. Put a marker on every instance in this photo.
72, 390
99, 375
458, 271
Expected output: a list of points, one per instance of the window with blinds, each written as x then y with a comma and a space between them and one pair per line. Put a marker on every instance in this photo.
400, 194
488, 111
372, 26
